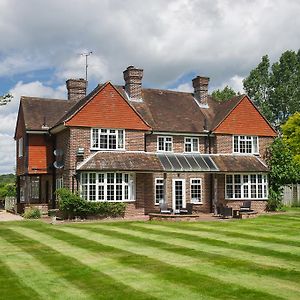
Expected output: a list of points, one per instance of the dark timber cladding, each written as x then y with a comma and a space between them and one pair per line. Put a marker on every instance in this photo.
187, 163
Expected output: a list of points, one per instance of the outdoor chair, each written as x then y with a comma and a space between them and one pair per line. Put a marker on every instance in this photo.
188, 210
225, 211
164, 209
246, 206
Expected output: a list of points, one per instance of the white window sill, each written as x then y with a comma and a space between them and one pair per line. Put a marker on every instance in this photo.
111, 201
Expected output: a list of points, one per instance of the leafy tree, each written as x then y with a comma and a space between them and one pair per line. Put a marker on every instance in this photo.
257, 86
5, 99
291, 135
225, 94
276, 89
283, 170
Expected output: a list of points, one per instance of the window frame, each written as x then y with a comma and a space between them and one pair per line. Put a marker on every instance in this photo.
259, 185
245, 139
107, 186
155, 190
20, 147
108, 134
164, 137
201, 191
35, 187
191, 143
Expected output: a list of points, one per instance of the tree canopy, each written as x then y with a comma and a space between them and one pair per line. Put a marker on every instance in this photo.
291, 135
276, 89
223, 95
5, 99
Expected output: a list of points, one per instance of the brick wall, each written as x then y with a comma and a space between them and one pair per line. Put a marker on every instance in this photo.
264, 143
222, 144
178, 143
149, 189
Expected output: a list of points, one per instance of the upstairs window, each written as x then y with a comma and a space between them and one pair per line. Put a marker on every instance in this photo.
20, 147
107, 139
191, 144
245, 144
165, 143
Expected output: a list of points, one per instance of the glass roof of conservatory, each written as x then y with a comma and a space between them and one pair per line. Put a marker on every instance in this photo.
187, 162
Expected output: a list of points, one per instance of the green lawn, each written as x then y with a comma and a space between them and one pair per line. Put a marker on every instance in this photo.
244, 259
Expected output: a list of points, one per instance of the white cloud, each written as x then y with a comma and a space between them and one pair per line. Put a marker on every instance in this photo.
184, 87
8, 117
235, 82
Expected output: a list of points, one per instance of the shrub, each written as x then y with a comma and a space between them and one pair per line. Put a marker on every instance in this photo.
72, 205
32, 213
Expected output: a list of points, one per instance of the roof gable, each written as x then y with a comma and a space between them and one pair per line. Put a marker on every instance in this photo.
245, 119
108, 109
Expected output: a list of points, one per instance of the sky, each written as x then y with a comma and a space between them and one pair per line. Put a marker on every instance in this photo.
172, 40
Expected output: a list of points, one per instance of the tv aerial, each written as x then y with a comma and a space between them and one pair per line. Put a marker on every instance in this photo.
86, 55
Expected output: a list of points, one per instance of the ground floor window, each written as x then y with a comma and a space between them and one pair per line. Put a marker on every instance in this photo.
246, 186
107, 186
34, 187
196, 190
159, 190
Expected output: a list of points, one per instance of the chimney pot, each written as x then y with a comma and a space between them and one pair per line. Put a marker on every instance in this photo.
76, 89
200, 85
133, 83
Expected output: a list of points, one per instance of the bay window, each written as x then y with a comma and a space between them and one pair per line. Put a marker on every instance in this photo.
165, 143
245, 144
107, 139
107, 186
191, 144
246, 186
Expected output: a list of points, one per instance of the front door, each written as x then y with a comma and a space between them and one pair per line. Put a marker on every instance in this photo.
178, 189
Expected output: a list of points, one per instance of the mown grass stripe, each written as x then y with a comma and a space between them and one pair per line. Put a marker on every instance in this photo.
283, 250
248, 234
12, 288
148, 283
89, 279
270, 257
29, 270
149, 248
214, 255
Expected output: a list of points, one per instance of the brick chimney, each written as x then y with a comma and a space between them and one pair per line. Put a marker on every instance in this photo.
76, 89
133, 83
200, 85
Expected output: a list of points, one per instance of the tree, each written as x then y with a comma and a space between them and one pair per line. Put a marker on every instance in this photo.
291, 135
5, 99
276, 89
257, 86
225, 94
283, 170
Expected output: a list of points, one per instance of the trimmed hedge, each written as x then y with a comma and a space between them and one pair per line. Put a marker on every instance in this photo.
72, 205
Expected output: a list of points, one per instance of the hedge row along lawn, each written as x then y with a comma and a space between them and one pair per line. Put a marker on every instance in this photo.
243, 259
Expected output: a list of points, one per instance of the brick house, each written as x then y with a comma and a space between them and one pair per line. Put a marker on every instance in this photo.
142, 146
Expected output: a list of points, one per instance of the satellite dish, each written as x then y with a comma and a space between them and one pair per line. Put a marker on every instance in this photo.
58, 152
58, 165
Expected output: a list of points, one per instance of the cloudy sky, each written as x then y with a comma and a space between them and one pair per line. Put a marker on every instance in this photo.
172, 41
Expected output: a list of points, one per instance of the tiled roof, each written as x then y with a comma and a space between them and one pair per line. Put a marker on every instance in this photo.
125, 161
42, 111
163, 110
153, 162
239, 163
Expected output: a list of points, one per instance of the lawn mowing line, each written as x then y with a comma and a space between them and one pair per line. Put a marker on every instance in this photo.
209, 253
94, 282
280, 248
12, 288
253, 229
136, 279
284, 257
253, 234
138, 247
28, 270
